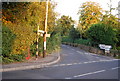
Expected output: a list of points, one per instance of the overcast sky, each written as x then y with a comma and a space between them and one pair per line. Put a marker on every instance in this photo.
71, 7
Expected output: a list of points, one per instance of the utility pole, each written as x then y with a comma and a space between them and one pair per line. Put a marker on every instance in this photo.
44, 48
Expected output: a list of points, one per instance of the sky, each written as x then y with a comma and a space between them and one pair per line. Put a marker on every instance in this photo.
71, 7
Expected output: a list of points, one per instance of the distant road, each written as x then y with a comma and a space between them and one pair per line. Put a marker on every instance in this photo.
74, 64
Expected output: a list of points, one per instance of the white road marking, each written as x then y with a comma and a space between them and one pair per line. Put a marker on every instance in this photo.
85, 62
69, 64
94, 61
116, 59
82, 63
87, 53
79, 52
68, 78
89, 73
115, 68
75, 63
90, 62
92, 54
73, 49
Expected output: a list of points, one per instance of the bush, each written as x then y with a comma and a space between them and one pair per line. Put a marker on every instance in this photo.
102, 34
7, 41
67, 39
83, 41
53, 43
13, 58
17, 57
74, 34
118, 37
6, 60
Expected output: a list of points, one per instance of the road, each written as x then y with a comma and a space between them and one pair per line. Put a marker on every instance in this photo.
74, 64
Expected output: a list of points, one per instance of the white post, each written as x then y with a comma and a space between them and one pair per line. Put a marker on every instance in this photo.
44, 48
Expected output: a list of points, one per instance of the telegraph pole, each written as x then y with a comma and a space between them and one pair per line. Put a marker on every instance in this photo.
44, 48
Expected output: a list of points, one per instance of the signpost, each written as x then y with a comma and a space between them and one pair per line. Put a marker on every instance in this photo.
105, 47
43, 33
44, 48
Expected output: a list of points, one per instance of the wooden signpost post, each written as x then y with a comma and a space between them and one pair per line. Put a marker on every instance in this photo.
43, 33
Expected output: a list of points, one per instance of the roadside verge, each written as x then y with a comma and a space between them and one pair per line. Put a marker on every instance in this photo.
32, 64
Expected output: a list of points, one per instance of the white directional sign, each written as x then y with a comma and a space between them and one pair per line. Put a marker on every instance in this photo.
105, 47
41, 31
47, 35
102, 46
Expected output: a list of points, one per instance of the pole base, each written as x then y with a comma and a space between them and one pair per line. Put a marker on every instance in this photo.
44, 53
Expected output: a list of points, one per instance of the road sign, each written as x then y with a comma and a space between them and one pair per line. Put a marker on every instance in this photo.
105, 47
41, 31
102, 46
47, 35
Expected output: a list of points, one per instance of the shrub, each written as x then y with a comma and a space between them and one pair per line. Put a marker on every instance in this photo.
7, 41
12, 58
67, 39
17, 57
74, 34
83, 41
102, 34
53, 43
6, 60
118, 37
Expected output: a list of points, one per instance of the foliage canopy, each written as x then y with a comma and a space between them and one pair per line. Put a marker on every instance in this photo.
89, 13
102, 34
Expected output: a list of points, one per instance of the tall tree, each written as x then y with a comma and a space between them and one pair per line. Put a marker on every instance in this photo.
64, 24
109, 18
89, 13
74, 33
23, 18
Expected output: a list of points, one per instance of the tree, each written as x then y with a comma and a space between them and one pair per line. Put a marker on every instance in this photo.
74, 33
112, 20
22, 18
89, 13
102, 34
109, 18
8, 39
64, 24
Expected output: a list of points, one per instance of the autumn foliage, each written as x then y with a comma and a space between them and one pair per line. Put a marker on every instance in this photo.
22, 19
